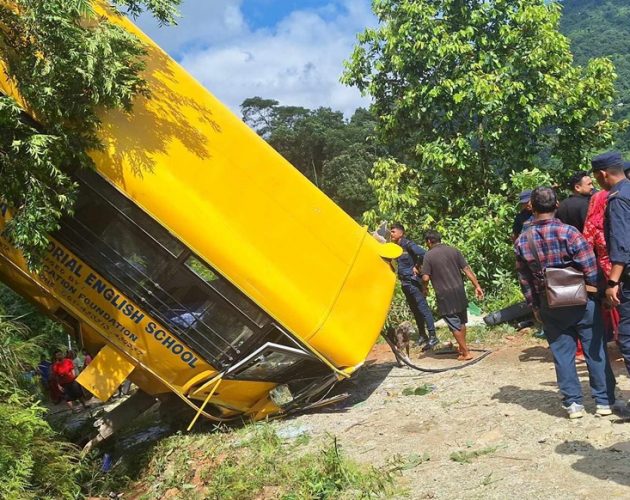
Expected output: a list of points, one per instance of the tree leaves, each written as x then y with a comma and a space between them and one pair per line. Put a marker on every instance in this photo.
476, 89
67, 63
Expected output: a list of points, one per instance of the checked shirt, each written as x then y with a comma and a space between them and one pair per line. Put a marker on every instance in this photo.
557, 245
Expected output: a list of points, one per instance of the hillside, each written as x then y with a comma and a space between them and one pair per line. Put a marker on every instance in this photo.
602, 28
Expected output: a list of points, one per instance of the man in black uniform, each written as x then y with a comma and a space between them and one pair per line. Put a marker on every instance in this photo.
572, 211
609, 172
409, 264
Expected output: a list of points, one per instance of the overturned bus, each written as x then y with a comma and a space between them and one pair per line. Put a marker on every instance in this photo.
200, 263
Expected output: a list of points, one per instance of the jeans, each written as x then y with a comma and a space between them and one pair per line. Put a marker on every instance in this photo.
624, 323
419, 307
563, 327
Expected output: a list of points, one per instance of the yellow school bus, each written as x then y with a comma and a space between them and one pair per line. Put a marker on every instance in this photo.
200, 263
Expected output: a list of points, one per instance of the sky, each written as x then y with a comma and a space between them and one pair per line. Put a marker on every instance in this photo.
288, 50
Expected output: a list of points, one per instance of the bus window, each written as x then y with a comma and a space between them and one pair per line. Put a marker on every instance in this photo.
199, 306
227, 290
277, 363
126, 207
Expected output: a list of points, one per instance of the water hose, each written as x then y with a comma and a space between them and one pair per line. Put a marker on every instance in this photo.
400, 357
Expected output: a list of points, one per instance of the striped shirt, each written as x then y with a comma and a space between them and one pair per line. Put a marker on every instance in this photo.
557, 245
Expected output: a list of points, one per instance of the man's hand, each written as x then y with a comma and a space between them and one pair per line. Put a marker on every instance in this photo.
479, 293
612, 296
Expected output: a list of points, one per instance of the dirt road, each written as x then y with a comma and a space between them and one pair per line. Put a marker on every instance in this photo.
494, 430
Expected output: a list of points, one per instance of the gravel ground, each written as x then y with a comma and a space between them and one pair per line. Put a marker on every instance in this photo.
492, 430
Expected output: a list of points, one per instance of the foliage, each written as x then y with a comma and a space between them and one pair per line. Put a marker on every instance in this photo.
13, 306
166, 11
469, 91
34, 461
601, 28
482, 233
254, 462
68, 63
334, 153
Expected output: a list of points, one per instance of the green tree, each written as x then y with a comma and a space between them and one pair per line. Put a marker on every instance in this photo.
601, 28
468, 91
68, 63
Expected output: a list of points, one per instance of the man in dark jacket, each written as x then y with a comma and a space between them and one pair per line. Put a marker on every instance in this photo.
573, 210
409, 264
548, 243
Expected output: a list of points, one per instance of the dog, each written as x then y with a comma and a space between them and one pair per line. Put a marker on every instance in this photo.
400, 336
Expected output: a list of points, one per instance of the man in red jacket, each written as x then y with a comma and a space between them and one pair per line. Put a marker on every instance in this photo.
64, 375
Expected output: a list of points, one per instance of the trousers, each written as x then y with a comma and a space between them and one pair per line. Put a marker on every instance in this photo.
563, 327
419, 307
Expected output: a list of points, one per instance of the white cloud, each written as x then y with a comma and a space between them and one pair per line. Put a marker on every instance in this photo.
298, 61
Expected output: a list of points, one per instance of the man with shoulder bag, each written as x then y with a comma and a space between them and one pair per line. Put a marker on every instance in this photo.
558, 274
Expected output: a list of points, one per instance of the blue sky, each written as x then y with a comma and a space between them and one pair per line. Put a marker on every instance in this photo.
267, 13
288, 50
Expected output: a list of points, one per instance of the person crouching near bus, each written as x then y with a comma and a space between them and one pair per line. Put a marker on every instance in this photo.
549, 243
444, 266
64, 375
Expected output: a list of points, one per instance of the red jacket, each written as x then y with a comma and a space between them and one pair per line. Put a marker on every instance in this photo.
64, 371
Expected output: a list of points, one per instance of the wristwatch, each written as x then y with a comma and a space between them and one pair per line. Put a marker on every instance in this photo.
612, 284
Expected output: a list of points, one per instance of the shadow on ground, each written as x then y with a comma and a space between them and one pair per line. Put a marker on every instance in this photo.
609, 464
360, 387
531, 399
539, 353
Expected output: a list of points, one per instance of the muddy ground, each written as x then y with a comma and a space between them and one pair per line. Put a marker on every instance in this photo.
506, 408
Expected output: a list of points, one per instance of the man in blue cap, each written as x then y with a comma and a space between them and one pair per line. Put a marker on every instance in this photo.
608, 169
409, 264
525, 214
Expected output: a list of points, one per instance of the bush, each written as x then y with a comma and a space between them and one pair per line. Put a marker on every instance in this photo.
35, 462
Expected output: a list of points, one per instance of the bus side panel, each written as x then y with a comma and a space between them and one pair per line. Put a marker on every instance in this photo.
357, 317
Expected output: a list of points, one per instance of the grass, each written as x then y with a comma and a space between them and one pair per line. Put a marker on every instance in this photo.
254, 462
421, 390
479, 334
466, 456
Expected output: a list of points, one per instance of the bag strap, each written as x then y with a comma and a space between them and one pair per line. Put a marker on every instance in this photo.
532, 248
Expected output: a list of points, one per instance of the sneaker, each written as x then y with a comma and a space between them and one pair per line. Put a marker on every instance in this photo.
603, 410
575, 410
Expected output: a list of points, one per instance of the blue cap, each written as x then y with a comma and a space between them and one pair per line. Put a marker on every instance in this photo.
626, 166
610, 159
525, 196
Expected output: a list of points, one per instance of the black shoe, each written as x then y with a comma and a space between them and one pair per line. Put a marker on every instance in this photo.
433, 341
421, 343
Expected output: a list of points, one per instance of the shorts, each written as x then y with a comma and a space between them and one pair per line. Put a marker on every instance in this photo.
72, 391
456, 321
